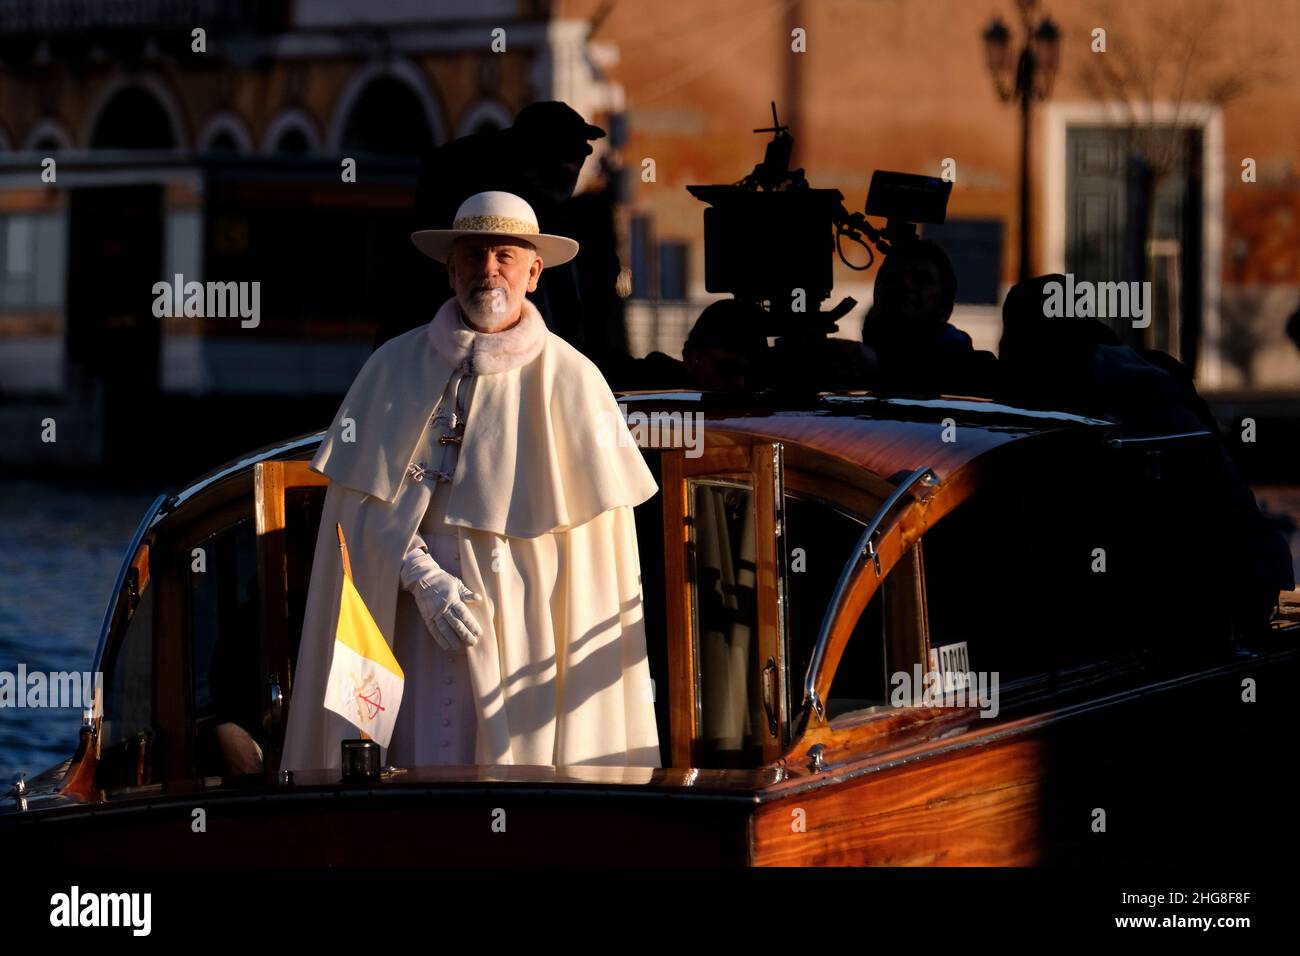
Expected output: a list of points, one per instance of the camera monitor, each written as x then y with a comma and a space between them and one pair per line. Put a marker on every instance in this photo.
907, 197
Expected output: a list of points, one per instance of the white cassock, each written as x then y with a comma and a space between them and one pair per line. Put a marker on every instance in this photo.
536, 517
437, 723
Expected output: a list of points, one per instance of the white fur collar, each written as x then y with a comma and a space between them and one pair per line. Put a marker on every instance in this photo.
488, 352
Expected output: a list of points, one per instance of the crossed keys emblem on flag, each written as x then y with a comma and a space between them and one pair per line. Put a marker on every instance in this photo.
368, 695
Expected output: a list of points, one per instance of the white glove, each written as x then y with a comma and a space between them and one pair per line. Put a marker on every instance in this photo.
441, 598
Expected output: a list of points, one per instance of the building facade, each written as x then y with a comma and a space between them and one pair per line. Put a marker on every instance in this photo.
208, 142
262, 155
1188, 91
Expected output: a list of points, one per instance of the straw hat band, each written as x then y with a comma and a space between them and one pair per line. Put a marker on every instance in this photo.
496, 213
496, 224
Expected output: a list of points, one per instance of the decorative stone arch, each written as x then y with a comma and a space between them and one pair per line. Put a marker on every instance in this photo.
287, 120
160, 91
484, 110
230, 123
48, 129
399, 69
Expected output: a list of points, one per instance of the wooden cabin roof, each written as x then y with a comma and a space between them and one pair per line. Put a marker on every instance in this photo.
882, 435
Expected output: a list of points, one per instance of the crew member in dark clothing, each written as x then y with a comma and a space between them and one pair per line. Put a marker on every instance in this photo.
1195, 501
725, 351
907, 328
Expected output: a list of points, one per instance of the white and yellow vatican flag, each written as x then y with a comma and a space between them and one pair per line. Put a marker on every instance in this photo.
365, 681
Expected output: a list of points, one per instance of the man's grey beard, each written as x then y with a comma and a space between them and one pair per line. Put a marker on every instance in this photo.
480, 310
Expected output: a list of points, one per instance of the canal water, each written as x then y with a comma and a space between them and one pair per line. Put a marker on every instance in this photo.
60, 547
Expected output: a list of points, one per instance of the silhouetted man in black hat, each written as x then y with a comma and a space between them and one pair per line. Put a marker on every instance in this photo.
538, 158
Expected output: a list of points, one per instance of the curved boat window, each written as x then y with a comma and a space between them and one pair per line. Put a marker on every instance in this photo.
885, 641
725, 607
819, 540
224, 622
128, 691
860, 681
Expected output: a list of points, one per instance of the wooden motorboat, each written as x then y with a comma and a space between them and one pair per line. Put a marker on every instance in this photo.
881, 631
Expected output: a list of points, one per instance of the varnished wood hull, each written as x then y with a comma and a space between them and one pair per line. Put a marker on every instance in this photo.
1185, 772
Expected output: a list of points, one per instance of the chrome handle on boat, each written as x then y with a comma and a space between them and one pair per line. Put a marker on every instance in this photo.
769, 695
271, 725
865, 549
817, 758
1155, 446
19, 792
143, 756
277, 701
1142, 441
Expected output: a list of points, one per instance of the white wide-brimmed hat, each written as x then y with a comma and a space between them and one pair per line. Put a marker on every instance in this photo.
496, 213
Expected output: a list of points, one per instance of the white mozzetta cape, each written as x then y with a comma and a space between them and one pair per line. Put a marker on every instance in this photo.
542, 501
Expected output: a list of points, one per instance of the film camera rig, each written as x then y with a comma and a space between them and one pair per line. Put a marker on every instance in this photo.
767, 235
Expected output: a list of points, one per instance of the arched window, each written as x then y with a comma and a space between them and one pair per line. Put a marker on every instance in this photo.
133, 119
292, 140
225, 132
387, 119
223, 142
293, 131
46, 137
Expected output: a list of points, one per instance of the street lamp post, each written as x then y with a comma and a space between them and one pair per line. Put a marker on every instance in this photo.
1024, 78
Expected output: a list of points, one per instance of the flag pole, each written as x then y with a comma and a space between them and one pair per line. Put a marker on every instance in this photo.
343, 548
